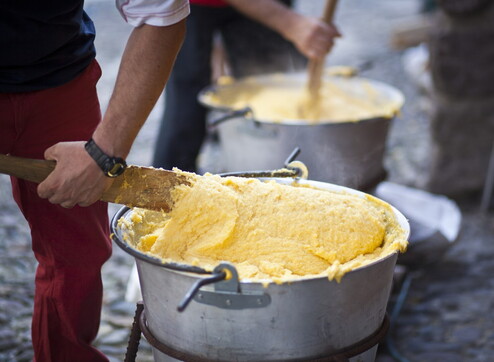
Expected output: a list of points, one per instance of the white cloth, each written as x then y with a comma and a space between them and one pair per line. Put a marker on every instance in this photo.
133, 293
153, 12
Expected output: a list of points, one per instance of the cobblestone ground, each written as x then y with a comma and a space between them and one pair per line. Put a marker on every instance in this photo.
446, 315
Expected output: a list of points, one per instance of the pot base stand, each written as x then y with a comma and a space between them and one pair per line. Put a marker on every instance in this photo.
139, 327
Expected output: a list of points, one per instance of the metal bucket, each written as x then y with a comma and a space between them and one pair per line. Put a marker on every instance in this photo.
300, 320
346, 153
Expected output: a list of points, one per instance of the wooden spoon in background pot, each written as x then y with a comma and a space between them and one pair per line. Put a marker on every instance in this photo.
311, 97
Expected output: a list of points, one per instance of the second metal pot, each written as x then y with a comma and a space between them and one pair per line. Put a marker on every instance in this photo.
344, 153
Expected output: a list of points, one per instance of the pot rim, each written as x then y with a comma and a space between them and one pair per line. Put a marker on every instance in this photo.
186, 268
395, 94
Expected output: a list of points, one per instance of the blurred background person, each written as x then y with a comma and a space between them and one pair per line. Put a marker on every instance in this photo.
259, 37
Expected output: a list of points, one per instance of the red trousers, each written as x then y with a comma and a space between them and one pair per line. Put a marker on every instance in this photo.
70, 245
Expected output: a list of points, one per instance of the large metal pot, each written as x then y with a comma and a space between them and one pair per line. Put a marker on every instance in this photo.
253, 321
348, 153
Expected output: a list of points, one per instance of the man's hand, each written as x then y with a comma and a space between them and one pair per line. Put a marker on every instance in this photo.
312, 37
76, 180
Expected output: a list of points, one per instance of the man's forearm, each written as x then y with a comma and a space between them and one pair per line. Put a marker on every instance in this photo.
144, 70
145, 67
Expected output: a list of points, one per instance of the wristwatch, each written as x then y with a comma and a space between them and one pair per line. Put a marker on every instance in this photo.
111, 166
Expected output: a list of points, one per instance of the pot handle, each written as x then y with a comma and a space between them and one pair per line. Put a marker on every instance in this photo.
215, 277
293, 168
227, 293
230, 115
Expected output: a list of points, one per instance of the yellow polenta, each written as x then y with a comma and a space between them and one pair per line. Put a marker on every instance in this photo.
267, 230
339, 100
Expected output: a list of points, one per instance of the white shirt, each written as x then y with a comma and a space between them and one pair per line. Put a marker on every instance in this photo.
153, 12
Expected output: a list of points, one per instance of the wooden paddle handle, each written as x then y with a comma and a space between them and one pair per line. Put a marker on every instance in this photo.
316, 67
26, 168
137, 187
38, 170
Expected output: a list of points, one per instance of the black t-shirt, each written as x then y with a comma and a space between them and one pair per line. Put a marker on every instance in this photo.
43, 43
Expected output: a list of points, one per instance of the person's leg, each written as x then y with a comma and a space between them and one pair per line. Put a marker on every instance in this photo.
7, 124
183, 127
70, 245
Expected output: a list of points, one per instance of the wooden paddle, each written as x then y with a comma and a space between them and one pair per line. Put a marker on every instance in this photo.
138, 186
315, 67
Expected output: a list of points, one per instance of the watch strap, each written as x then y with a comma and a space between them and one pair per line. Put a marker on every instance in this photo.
111, 166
